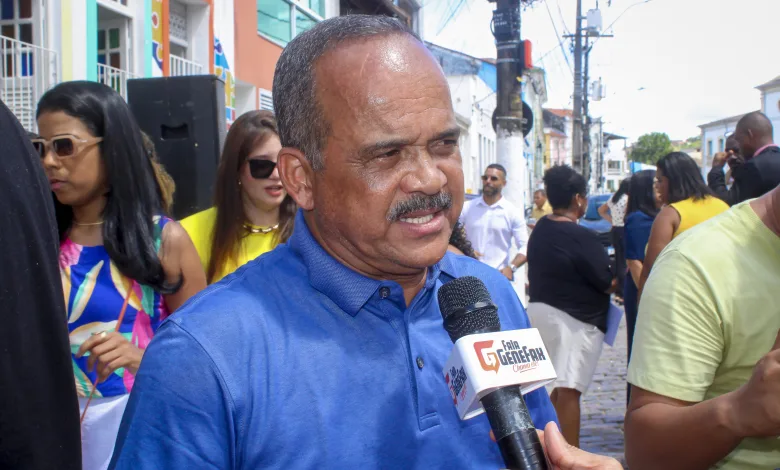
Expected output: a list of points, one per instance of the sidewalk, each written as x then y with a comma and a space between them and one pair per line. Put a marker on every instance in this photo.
604, 406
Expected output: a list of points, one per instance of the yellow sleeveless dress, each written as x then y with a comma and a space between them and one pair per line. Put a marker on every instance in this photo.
693, 212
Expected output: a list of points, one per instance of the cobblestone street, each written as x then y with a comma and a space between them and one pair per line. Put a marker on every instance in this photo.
604, 406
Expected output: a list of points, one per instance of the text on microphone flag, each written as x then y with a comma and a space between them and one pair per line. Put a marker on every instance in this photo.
490, 361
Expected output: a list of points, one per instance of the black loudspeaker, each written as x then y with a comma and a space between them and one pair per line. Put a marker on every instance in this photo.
186, 119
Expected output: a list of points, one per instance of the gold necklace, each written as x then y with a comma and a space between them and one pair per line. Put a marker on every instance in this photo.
253, 229
87, 225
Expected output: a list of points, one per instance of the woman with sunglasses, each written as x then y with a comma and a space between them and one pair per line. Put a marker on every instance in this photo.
687, 201
252, 212
124, 266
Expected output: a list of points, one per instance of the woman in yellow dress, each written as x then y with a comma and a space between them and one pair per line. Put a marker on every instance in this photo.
252, 212
687, 201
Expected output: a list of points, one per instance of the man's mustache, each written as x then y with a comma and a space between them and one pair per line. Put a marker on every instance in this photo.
439, 202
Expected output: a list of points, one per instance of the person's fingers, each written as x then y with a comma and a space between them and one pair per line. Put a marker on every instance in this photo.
91, 342
563, 456
541, 439
556, 446
99, 350
113, 341
109, 368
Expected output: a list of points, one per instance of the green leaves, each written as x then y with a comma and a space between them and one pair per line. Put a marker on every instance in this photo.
651, 147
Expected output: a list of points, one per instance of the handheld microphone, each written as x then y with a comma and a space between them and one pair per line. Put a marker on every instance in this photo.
468, 309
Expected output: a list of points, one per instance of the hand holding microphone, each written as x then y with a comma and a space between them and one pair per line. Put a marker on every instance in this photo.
468, 310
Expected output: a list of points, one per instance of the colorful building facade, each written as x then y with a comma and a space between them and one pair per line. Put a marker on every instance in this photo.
44, 42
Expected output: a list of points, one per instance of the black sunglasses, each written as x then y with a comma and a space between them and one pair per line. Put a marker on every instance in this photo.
491, 178
261, 169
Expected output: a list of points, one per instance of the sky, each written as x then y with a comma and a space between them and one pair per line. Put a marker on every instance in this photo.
672, 65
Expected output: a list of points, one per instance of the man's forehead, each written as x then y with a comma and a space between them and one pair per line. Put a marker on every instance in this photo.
375, 73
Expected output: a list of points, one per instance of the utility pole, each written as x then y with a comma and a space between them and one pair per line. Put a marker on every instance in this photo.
509, 109
581, 139
586, 163
577, 154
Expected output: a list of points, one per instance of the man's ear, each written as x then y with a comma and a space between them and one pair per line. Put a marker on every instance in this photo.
297, 177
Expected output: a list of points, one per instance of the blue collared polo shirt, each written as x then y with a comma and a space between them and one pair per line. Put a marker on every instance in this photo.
296, 361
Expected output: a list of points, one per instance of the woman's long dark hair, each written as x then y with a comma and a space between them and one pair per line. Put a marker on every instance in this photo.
625, 187
641, 196
134, 196
684, 175
458, 240
247, 132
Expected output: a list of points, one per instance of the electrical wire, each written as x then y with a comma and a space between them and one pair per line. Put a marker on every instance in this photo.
558, 36
642, 2
452, 15
563, 19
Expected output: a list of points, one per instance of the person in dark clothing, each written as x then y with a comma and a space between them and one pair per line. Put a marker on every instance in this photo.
643, 207
570, 282
39, 414
760, 172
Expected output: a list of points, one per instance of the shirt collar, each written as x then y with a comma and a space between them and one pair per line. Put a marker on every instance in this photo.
499, 203
348, 289
761, 150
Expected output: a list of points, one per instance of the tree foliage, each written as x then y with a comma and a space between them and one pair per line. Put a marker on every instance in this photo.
651, 147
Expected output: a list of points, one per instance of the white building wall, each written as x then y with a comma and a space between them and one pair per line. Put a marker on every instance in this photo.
474, 102
711, 137
331, 8
771, 107
615, 152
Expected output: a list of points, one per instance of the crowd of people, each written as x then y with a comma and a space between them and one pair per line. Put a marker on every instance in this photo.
295, 324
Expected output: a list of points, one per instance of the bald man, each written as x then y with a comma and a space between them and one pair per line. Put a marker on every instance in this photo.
760, 172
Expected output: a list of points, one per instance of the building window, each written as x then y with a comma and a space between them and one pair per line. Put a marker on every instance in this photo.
721, 145
709, 147
16, 20
110, 46
282, 20
266, 100
177, 26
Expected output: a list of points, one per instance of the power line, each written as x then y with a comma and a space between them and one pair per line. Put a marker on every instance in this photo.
452, 15
642, 2
558, 36
563, 19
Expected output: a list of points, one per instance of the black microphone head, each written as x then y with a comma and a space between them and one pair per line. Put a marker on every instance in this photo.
467, 308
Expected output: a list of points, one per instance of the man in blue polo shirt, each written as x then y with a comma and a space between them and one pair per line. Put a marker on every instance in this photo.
328, 352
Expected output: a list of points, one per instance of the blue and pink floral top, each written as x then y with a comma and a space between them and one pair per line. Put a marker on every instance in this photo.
95, 291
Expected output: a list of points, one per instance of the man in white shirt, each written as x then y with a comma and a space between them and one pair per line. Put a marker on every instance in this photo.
492, 222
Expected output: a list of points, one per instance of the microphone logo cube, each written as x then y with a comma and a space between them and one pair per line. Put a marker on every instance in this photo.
456, 380
482, 363
493, 362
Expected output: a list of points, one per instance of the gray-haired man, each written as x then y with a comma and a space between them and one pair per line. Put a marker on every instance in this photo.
328, 351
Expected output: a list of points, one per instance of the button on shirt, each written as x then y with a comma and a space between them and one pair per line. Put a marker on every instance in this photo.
490, 229
296, 361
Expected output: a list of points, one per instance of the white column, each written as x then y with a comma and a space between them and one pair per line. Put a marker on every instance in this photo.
72, 16
509, 149
198, 29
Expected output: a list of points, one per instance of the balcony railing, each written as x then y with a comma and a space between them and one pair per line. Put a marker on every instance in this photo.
115, 78
26, 72
181, 67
